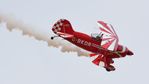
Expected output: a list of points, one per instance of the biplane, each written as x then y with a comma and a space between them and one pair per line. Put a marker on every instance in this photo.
97, 43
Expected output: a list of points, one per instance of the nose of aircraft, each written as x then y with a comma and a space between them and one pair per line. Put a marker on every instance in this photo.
130, 52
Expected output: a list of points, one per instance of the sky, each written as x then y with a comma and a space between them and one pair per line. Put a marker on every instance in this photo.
25, 60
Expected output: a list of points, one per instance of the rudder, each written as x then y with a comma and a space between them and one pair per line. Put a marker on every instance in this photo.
63, 26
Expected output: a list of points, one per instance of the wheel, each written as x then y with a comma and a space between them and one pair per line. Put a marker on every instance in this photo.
110, 68
52, 38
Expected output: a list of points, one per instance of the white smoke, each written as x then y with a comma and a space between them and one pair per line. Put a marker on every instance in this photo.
27, 30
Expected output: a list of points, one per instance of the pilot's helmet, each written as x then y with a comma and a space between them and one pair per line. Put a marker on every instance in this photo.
100, 35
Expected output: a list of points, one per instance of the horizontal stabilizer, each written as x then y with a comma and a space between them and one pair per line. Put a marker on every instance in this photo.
64, 35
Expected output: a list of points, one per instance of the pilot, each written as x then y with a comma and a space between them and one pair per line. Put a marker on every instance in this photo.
99, 37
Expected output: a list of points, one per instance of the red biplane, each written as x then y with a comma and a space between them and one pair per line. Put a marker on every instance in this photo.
97, 44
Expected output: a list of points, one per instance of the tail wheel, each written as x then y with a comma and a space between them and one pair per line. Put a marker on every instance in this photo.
52, 38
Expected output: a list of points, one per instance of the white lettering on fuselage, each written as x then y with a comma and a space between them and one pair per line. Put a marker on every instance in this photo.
86, 43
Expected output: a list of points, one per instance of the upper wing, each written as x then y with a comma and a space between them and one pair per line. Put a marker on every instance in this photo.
110, 35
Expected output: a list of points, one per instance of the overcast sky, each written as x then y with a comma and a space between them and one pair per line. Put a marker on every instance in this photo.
25, 60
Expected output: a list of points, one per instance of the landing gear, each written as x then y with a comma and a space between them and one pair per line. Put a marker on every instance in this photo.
53, 37
110, 68
111, 61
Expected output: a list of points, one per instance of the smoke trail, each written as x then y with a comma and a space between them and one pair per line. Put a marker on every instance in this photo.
27, 30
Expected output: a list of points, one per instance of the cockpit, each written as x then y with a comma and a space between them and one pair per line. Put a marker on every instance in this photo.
97, 36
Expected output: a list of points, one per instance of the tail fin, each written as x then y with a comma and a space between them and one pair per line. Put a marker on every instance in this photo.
62, 26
